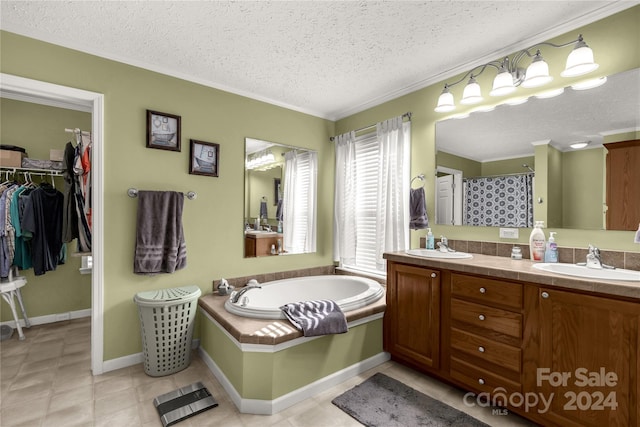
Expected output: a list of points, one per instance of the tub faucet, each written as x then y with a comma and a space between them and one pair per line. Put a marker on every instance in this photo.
236, 295
594, 259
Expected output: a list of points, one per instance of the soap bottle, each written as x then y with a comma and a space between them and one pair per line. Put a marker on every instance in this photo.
537, 242
551, 253
280, 227
430, 240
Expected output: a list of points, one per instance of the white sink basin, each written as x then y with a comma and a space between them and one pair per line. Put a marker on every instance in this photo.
432, 253
589, 273
260, 232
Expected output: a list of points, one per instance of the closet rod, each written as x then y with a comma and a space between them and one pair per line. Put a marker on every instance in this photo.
133, 192
38, 172
407, 115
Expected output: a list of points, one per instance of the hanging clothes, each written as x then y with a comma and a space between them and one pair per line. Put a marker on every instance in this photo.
70, 213
82, 190
42, 221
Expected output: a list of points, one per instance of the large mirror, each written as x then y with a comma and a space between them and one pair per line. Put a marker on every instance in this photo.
523, 152
280, 184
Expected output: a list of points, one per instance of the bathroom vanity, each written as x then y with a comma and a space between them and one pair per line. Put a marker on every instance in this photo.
259, 244
557, 350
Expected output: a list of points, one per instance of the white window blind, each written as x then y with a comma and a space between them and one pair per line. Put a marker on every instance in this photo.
300, 217
367, 153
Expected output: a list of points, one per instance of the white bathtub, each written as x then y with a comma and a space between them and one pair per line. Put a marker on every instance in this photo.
349, 292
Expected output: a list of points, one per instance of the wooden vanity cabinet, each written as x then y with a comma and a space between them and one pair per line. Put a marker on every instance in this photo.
487, 334
483, 339
593, 342
412, 317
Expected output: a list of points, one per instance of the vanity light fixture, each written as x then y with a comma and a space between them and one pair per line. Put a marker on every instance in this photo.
550, 93
516, 101
589, 84
509, 75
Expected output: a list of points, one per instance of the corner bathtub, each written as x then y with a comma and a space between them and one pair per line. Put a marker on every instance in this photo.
349, 292
266, 365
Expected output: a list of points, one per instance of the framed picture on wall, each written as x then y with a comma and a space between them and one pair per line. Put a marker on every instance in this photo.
204, 158
163, 131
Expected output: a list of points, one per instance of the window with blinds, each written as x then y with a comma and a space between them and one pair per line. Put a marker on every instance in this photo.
367, 156
303, 204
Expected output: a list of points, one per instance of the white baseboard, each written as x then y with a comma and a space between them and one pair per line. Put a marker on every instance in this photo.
49, 318
122, 362
270, 407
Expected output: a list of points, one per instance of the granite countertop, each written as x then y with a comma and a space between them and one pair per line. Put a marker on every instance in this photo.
506, 268
244, 329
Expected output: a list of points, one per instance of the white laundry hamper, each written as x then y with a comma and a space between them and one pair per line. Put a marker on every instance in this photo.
166, 324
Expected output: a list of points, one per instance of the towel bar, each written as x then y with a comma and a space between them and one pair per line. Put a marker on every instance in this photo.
133, 192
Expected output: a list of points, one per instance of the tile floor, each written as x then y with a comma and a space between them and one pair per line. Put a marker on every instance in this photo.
46, 380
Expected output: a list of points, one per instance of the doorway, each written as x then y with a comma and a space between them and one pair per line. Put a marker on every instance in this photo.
449, 196
28, 90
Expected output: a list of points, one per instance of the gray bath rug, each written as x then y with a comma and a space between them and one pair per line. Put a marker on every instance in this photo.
382, 401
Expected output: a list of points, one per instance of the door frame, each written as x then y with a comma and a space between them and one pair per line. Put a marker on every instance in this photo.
36, 91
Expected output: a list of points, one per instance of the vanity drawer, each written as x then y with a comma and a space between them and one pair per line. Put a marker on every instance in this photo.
480, 379
483, 348
487, 290
483, 316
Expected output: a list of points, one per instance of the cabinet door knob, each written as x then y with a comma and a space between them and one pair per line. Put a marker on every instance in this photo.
483, 290
481, 317
434, 275
545, 295
481, 349
480, 381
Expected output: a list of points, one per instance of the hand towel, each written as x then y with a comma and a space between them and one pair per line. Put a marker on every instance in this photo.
160, 245
313, 318
263, 209
279, 211
418, 209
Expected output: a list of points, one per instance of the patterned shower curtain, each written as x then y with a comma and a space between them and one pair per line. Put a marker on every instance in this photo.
503, 201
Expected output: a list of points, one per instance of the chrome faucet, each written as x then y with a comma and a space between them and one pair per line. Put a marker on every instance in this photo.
443, 244
236, 295
594, 259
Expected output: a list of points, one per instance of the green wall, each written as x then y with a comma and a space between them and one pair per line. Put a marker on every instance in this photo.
38, 128
213, 223
615, 41
583, 198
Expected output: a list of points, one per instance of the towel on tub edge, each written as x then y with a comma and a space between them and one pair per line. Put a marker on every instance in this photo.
314, 318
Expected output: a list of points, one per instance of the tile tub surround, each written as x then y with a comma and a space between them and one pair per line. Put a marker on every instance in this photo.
243, 328
522, 270
618, 259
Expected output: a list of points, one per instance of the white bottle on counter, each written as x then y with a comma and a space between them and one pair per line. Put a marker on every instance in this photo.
537, 242
430, 240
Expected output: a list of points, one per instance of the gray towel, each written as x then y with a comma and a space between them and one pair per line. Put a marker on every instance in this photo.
313, 318
160, 245
418, 209
263, 209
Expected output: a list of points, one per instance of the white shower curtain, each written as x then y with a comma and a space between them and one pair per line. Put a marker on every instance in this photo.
299, 202
388, 160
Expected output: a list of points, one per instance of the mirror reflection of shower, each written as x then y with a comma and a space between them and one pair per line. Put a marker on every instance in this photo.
526, 166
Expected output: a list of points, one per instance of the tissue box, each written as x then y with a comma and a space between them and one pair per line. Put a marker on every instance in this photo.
56, 155
11, 159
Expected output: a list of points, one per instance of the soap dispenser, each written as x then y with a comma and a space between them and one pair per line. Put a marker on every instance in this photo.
430, 240
551, 252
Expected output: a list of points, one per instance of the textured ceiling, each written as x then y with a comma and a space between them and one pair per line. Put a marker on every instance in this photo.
326, 58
